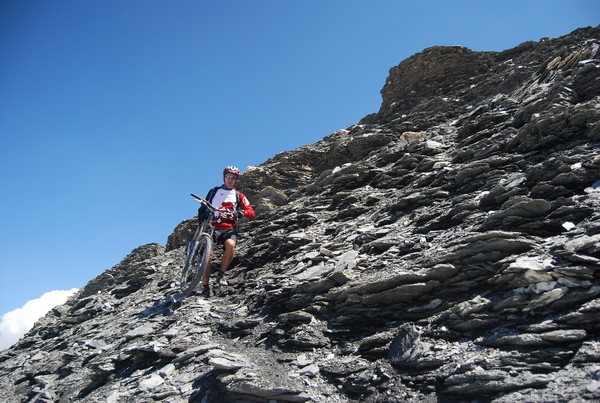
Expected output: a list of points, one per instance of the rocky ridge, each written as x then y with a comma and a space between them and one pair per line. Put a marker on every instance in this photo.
446, 248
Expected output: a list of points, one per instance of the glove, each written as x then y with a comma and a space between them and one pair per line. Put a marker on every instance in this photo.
240, 214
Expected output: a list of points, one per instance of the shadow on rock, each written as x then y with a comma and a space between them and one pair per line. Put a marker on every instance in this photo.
164, 307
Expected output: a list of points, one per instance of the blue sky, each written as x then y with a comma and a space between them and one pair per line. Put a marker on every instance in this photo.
113, 111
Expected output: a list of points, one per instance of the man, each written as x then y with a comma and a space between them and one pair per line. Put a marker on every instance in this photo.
233, 205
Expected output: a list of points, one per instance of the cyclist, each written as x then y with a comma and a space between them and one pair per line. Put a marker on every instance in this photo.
233, 205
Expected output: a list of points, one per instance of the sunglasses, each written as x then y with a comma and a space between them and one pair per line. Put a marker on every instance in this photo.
230, 177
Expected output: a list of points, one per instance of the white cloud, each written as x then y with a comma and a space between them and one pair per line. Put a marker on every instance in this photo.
16, 323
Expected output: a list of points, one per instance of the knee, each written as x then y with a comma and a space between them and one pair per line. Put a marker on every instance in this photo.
230, 244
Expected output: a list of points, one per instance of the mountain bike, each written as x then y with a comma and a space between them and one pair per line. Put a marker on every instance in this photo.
199, 251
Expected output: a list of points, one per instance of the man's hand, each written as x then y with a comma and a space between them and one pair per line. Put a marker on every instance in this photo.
240, 214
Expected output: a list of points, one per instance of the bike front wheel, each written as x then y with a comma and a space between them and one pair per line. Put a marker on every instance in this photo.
196, 261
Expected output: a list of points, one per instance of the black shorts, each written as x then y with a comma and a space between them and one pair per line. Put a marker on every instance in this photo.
220, 236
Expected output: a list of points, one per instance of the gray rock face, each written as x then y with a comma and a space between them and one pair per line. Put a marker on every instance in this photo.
447, 248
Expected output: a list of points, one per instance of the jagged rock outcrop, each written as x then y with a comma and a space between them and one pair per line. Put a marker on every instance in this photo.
446, 248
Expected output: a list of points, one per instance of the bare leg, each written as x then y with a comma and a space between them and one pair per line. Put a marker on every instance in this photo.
227, 254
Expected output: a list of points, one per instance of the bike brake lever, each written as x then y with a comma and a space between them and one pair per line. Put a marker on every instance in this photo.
202, 201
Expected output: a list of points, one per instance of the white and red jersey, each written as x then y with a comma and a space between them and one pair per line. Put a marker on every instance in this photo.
226, 198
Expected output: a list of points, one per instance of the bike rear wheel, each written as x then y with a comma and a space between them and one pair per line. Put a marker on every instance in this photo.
197, 260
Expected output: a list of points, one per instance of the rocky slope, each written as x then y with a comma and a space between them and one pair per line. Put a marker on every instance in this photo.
446, 248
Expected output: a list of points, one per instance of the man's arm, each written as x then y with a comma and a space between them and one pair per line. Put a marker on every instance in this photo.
246, 207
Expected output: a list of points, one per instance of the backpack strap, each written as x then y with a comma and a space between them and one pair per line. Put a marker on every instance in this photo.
211, 194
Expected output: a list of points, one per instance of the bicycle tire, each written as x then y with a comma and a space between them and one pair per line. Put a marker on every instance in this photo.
195, 263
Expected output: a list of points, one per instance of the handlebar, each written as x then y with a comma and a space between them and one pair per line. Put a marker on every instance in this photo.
203, 201
199, 199
208, 205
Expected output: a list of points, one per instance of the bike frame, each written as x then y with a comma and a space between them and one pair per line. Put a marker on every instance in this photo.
199, 250
204, 227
